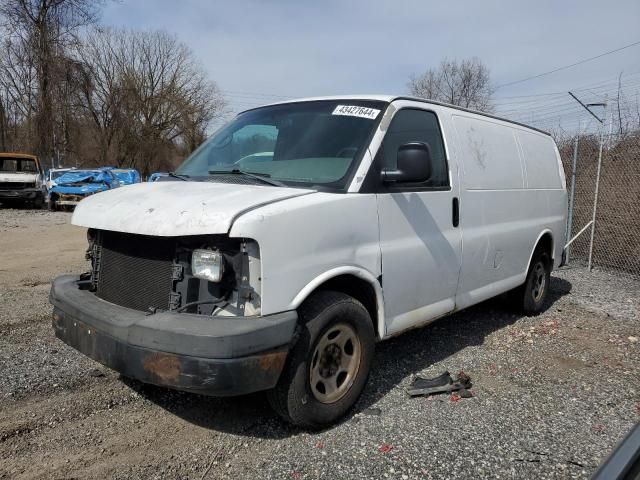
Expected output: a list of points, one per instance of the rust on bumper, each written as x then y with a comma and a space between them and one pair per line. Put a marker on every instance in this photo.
216, 377
165, 366
272, 362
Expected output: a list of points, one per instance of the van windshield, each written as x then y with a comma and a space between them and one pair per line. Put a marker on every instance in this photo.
298, 144
57, 174
15, 165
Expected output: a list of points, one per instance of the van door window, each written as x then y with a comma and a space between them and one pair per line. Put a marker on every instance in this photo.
410, 125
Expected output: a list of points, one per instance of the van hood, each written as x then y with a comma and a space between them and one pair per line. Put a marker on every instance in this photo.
18, 177
172, 209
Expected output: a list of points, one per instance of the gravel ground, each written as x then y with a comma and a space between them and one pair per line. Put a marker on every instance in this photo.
552, 394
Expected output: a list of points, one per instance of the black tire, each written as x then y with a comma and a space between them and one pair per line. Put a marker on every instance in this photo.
531, 297
293, 398
52, 204
38, 203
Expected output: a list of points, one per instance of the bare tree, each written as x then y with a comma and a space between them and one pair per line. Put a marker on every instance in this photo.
47, 27
98, 96
169, 98
145, 96
3, 126
467, 84
18, 87
101, 93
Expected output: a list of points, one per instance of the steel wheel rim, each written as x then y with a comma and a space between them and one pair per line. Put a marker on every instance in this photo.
539, 281
335, 363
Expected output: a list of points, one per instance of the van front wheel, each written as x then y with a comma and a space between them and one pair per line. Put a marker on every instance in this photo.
328, 366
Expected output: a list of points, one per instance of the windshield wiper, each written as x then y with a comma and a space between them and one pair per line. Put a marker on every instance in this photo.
263, 177
184, 178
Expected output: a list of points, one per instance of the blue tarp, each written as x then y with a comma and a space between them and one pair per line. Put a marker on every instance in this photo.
127, 176
84, 182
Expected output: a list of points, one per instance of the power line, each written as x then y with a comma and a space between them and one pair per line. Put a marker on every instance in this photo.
579, 88
568, 66
626, 89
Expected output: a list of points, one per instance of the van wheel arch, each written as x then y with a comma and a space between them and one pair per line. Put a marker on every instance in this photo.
544, 243
367, 293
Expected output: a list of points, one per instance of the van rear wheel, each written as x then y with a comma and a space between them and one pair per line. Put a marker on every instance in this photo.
328, 366
531, 297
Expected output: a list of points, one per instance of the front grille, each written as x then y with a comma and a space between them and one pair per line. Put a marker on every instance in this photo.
135, 271
16, 185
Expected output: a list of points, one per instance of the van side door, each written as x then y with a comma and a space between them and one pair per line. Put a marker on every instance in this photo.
501, 218
419, 241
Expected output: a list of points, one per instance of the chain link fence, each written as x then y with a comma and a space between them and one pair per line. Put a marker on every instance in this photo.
616, 238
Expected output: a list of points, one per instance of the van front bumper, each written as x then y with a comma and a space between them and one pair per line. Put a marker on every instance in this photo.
211, 355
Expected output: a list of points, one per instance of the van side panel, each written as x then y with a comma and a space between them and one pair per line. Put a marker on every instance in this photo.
490, 155
303, 238
545, 178
501, 217
541, 164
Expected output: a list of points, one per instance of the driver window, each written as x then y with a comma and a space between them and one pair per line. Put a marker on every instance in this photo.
410, 125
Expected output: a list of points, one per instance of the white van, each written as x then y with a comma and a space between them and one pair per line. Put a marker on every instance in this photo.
303, 232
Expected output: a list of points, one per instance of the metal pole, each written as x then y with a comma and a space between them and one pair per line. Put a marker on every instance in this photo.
578, 234
573, 194
595, 196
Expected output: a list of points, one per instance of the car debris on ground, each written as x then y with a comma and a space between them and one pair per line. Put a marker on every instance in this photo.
444, 383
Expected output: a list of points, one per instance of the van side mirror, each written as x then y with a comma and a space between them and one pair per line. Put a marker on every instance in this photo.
413, 164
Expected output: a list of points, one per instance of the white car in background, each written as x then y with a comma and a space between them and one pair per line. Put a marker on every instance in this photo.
21, 181
52, 174
303, 232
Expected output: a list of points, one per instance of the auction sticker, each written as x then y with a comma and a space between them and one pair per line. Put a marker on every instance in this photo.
356, 111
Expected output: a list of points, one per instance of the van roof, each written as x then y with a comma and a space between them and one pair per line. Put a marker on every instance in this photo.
391, 98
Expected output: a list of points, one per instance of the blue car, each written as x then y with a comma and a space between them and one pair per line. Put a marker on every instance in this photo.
127, 176
73, 186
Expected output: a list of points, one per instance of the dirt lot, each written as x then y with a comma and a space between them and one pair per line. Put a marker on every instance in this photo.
553, 394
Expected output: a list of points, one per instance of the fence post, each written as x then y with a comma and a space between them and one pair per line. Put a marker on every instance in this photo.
573, 195
595, 196
595, 202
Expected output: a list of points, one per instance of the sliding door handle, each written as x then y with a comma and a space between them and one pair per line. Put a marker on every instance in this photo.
456, 212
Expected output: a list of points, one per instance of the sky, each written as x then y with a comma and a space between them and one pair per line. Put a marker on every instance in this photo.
264, 51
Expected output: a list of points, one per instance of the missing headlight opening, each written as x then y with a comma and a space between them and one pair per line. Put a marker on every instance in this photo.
198, 274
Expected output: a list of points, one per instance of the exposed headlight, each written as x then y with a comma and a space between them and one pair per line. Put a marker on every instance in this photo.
207, 264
